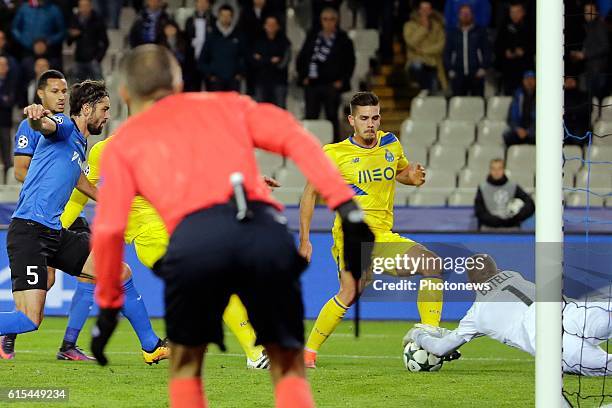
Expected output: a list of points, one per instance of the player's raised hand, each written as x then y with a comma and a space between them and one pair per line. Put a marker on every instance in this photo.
305, 250
102, 332
36, 111
413, 175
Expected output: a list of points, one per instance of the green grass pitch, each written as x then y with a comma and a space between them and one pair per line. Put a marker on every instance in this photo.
364, 372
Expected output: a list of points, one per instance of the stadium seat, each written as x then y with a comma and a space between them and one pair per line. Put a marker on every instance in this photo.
596, 180
362, 68
428, 109
470, 178
439, 178
497, 108
466, 108
126, 19
10, 177
579, 199
288, 195
416, 154
521, 157
600, 153
291, 176
425, 199
524, 178
609, 202
606, 109
418, 133
595, 111
573, 158
181, 15
365, 41
402, 196
491, 133
116, 41
321, 128
453, 133
9, 193
462, 198
269, 163
444, 157
602, 128
480, 156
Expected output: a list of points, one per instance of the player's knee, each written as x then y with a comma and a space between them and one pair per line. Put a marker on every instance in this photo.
348, 295
126, 272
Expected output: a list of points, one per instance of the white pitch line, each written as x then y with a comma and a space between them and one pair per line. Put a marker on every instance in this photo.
337, 356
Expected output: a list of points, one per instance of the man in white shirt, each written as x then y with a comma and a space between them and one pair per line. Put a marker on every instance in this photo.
506, 313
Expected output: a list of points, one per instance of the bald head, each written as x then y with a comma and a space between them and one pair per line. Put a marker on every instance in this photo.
481, 269
149, 72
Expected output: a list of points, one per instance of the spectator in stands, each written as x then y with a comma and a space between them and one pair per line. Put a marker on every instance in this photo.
222, 62
88, 30
8, 96
251, 26
325, 66
27, 93
522, 113
110, 10
515, 48
577, 112
481, 8
501, 203
594, 52
40, 19
317, 8
198, 28
8, 8
174, 39
425, 39
4, 51
40, 50
467, 55
270, 60
147, 28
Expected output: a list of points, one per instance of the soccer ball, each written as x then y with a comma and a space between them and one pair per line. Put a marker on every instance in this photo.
417, 359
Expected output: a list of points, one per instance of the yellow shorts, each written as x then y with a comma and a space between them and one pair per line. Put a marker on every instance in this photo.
400, 246
151, 243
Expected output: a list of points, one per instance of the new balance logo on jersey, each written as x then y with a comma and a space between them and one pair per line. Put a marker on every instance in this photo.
367, 176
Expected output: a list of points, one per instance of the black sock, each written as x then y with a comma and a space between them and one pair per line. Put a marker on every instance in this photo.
66, 345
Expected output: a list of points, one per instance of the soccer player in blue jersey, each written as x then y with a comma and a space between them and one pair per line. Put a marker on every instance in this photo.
52, 92
35, 238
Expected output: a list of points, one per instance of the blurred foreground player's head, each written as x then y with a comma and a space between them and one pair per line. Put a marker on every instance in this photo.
52, 90
148, 73
481, 269
365, 117
497, 169
90, 100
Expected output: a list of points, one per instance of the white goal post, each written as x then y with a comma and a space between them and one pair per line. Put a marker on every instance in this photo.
549, 201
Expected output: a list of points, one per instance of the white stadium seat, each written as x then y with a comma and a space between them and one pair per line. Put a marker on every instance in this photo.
9, 193
466, 108
606, 109
524, 178
416, 154
600, 153
521, 157
321, 128
579, 199
181, 15
453, 133
268, 163
480, 156
439, 178
497, 108
491, 133
428, 109
419, 133
365, 41
602, 128
469, 178
462, 198
573, 158
291, 176
444, 157
596, 180
424, 199
10, 177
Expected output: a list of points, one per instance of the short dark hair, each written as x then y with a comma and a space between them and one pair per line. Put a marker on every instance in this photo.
365, 98
47, 75
226, 7
86, 92
147, 70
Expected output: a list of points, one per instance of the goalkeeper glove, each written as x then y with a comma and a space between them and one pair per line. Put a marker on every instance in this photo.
356, 232
102, 332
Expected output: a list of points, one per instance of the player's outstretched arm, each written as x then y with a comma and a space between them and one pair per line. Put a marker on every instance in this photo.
412, 175
38, 118
439, 346
307, 205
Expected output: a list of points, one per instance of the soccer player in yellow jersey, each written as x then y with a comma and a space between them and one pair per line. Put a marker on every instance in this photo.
371, 161
147, 232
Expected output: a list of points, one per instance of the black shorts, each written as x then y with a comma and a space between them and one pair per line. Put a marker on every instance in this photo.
80, 226
32, 247
212, 256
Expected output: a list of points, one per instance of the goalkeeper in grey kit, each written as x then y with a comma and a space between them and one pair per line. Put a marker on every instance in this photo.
506, 313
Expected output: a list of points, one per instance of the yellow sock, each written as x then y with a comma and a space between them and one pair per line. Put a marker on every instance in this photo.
236, 318
429, 303
329, 318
